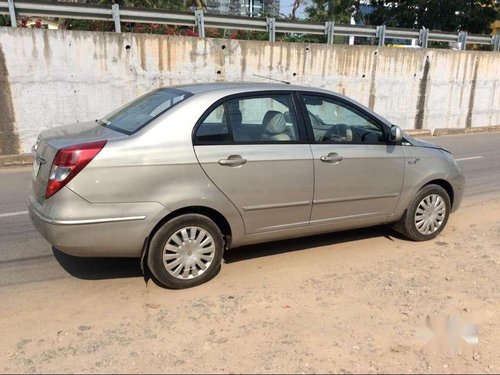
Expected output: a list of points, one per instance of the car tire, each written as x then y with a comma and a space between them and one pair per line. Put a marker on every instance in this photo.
186, 251
431, 205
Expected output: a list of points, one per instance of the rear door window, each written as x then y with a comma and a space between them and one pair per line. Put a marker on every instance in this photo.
263, 119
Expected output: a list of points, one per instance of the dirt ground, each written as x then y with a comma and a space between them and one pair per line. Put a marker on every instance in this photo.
345, 302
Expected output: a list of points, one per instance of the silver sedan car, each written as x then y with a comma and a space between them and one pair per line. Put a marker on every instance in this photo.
183, 173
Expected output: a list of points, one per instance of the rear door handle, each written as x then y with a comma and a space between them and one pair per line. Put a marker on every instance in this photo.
332, 157
233, 161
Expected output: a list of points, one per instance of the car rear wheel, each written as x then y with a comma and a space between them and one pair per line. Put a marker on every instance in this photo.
186, 251
427, 214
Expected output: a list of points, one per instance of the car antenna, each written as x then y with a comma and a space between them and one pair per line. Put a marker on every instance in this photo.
273, 79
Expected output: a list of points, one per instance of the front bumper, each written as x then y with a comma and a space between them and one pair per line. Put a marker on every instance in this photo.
457, 197
457, 180
80, 228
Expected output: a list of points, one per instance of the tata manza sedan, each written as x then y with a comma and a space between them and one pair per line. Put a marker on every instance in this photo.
183, 173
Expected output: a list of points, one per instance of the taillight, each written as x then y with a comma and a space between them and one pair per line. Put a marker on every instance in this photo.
68, 162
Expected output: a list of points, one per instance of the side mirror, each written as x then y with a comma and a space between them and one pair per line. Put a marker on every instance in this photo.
396, 134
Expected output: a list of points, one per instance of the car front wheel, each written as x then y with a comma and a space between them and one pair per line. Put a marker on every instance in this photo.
186, 251
427, 214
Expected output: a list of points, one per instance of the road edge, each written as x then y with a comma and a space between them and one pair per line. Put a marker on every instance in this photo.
451, 131
15, 160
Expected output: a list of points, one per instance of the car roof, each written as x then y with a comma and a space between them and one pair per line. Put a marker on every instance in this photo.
221, 89
244, 86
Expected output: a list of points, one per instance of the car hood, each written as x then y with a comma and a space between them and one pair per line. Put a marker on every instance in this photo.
422, 143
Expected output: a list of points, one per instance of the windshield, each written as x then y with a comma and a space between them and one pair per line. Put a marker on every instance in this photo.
141, 111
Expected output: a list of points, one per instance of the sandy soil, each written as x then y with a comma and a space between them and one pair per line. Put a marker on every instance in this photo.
346, 302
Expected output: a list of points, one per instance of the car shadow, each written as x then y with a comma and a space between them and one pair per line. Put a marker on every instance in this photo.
303, 243
98, 268
113, 268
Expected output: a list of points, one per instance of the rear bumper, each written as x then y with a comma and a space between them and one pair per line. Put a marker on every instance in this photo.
91, 234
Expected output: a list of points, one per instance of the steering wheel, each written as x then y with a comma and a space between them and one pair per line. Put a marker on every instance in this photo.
363, 137
332, 134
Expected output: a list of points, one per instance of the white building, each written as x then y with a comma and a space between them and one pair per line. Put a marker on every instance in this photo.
251, 8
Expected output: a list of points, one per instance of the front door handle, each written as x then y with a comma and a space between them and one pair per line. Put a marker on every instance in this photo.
233, 161
332, 157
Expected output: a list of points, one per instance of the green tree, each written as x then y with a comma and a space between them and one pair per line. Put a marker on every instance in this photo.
173, 5
154, 4
473, 16
330, 10
4, 20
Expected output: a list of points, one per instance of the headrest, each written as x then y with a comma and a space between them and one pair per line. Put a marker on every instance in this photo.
274, 122
233, 105
235, 116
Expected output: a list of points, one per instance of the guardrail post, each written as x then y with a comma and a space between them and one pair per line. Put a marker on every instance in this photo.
115, 12
423, 37
271, 28
495, 40
462, 40
329, 29
12, 13
200, 22
381, 35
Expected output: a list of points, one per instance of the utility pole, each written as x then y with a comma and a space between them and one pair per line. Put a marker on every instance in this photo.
351, 38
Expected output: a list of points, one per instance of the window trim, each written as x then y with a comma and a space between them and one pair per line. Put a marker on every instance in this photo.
301, 127
201, 120
348, 105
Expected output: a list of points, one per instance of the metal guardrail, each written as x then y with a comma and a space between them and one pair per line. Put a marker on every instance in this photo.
201, 20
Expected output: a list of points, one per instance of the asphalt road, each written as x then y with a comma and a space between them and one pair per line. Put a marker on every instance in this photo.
25, 257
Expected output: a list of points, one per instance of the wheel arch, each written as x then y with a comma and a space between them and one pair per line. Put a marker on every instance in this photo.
445, 185
408, 195
211, 213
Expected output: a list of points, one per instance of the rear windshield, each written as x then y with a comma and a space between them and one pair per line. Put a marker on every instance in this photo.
141, 111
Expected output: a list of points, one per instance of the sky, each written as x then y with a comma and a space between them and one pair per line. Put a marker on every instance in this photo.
286, 8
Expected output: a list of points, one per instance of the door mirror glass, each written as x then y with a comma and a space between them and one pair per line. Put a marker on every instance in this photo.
396, 134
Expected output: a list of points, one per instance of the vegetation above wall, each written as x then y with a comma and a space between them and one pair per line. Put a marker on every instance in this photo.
473, 16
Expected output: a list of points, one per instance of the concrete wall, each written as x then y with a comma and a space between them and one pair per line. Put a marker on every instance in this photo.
49, 78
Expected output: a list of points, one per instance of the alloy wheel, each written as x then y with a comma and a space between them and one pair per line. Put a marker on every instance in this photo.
430, 214
188, 253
